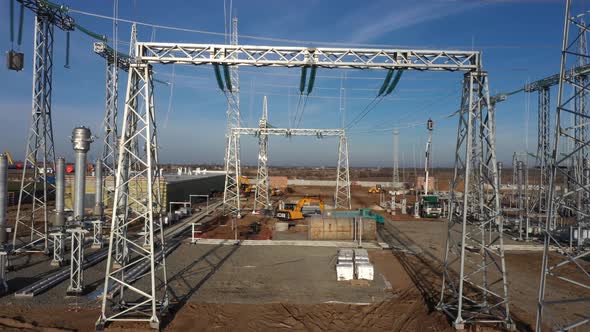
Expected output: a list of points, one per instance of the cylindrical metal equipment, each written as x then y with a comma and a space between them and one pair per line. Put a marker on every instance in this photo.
98, 206
60, 186
3, 197
81, 139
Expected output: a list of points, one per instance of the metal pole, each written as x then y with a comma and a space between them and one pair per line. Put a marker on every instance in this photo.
3, 199
395, 158
3, 210
81, 139
520, 198
60, 218
98, 204
59, 222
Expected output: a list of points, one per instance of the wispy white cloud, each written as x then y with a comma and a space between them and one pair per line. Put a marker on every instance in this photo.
387, 16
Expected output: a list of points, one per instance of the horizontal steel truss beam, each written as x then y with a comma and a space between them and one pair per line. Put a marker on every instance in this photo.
289, 132
283, 56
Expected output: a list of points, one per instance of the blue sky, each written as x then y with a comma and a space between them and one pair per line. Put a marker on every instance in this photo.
520, 41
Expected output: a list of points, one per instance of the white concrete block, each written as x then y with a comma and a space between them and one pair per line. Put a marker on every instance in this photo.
344, 271
361, 254
364, 271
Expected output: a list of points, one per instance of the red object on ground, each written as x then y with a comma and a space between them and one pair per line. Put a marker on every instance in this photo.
19, 165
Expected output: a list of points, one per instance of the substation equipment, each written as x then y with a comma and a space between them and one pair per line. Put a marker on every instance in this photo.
475, 127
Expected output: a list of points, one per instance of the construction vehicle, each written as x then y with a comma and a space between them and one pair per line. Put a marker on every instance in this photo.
376, 189
304, 207
11, 163
276, 192
430, 206
9, 157
245, 187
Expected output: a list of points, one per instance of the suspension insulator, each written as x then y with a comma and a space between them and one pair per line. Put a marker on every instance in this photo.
311, 80
386, 82
227, 78
398, 76
218, 76
303, 79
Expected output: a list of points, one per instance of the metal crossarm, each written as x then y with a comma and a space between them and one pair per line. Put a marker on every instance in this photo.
279, 56
288, 132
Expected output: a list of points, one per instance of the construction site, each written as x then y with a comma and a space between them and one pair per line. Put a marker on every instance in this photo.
276, 213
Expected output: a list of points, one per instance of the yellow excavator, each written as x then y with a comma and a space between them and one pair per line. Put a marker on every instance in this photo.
375, 189
245, 186
9, 157
294, 211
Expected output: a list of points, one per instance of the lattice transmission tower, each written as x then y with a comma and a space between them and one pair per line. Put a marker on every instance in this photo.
40, 151
146, 299
474, 289
261, 196
342, 196
571, 204
231, 192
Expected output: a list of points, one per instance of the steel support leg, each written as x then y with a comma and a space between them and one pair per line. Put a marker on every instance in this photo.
145, 301
261, 195
570, 271
97, 234
342, 195
231, 192
76, 286
40, 152
3, 265
58, 248
474, 288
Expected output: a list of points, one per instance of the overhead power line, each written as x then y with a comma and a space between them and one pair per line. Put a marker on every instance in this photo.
305, 42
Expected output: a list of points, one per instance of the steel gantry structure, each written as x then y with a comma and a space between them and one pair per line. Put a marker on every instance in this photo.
464, 305
40, 151
342, 194
261, 194
573, 166
479, 294
231, 191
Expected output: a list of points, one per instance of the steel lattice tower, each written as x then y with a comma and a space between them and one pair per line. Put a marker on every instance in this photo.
40, 151
261, 198
231, 193
569, 270
141, 301
109, 152
543, 145
395, 157
342, 195
478, 293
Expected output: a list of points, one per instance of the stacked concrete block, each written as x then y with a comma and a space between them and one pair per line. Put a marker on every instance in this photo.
363, 269
345, 265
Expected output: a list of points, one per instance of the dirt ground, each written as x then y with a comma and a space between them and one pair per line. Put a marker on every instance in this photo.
238, 288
